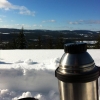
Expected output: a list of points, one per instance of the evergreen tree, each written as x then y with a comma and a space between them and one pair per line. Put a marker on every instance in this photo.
0, 42
60, 42
50, 43
31, 45
39, 43
21, 41
13, 44
97, 45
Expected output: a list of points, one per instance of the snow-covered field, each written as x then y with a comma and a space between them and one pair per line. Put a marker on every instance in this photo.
31, 73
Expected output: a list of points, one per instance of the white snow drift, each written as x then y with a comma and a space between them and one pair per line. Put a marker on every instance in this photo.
31, 73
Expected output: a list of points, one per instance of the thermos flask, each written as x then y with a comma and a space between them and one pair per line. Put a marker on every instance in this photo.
77, 74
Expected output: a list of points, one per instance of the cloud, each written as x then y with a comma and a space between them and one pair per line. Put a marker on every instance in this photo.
93, 21
4, 4
52, 21
35, 25
74, 23
23, 10
26, 26
84, 22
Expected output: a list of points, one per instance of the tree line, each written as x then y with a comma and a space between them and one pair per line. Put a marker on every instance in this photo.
20, 42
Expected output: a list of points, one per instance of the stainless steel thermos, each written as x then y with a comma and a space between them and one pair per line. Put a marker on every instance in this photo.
77, 74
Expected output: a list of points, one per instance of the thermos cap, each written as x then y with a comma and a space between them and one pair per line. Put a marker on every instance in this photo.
75, 48
76, 65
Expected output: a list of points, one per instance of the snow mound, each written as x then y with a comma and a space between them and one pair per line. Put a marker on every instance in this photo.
29, 62
19, 61
32, 76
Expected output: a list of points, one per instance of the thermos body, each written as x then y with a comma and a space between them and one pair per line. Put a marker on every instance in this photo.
77, 74
78, 91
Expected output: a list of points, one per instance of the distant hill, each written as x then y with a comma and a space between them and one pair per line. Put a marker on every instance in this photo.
34, 34
12, 30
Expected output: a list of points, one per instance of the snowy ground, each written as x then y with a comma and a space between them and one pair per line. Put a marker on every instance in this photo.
31, 73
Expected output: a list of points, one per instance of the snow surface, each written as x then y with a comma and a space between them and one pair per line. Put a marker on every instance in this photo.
31, 73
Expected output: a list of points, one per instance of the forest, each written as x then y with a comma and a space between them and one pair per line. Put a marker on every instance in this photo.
46, 39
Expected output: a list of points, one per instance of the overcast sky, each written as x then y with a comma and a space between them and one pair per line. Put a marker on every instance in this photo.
50, 14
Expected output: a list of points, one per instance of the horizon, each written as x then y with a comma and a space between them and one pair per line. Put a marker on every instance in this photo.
52, 30
50, 14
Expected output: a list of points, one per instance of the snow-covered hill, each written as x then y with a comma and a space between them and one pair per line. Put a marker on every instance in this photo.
31, 73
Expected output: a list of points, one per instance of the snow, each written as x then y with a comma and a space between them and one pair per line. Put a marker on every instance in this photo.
31, 73
88, 42
5, 33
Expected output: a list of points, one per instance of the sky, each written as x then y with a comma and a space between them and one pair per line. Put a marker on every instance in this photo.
50, 14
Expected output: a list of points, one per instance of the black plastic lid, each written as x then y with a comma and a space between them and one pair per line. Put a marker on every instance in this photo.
75, 48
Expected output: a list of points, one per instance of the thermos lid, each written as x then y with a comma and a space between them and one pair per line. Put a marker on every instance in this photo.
75, 48
76, 64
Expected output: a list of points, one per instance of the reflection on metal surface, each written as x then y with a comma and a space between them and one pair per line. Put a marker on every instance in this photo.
76, 62
78, 91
